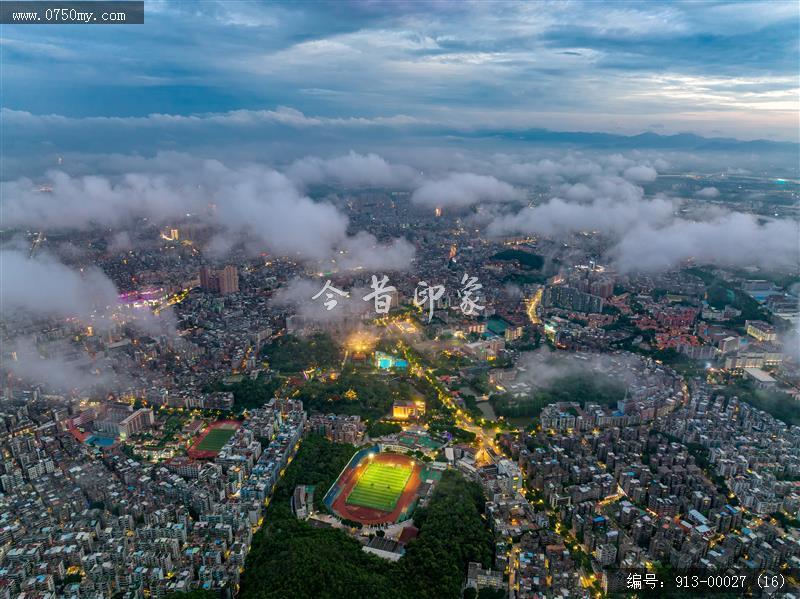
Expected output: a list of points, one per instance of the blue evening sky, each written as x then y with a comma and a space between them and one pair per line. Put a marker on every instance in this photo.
711, 68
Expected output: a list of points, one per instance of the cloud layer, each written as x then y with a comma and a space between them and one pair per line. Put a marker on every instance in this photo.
647, 233
266, 209
352, 170
45, 287
731, 240
246, 203
464, 189
58, 370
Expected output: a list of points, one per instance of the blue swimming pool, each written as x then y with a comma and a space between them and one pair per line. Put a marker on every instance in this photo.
99, 441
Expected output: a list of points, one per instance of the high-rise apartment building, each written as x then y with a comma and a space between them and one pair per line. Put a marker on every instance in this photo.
225, 281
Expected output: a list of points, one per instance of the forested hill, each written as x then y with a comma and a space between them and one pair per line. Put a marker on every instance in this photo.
290, 558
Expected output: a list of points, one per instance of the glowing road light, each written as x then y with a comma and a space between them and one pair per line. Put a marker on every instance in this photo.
361, 342
531, 306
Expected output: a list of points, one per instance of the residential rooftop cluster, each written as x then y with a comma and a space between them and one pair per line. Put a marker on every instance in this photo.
119, 525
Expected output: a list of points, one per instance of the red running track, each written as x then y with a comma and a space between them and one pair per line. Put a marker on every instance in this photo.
205, 454
370, 516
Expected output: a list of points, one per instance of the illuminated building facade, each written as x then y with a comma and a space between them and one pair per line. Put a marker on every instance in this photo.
408, 409
760, 330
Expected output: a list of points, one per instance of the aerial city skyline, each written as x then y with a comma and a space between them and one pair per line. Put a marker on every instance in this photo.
400, 299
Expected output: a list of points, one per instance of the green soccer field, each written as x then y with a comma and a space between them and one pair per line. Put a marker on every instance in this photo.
380, 486
215, 439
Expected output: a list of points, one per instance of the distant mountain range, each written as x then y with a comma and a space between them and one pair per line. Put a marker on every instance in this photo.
680, 141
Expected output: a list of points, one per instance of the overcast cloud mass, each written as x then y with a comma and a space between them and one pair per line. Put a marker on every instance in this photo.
253, 201
46, 287
267, 207
624, 67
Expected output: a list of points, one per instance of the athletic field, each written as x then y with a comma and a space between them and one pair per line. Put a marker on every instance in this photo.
215, 439
380, 486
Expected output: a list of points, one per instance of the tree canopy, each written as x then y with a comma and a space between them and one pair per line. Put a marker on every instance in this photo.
248, 393
294, 354
366, 394
379, 429
290, 558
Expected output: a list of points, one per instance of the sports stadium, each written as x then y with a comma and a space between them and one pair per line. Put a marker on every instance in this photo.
212, 440
376, 488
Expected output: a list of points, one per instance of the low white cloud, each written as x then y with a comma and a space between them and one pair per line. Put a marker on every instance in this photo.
543, 367
640, 174
647, 234
560, 217
282, 115
120, 242
460, 190
708, 192
44, 287
56, 369
732, 240
251, 204
601, 187
364, 252
352, 170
